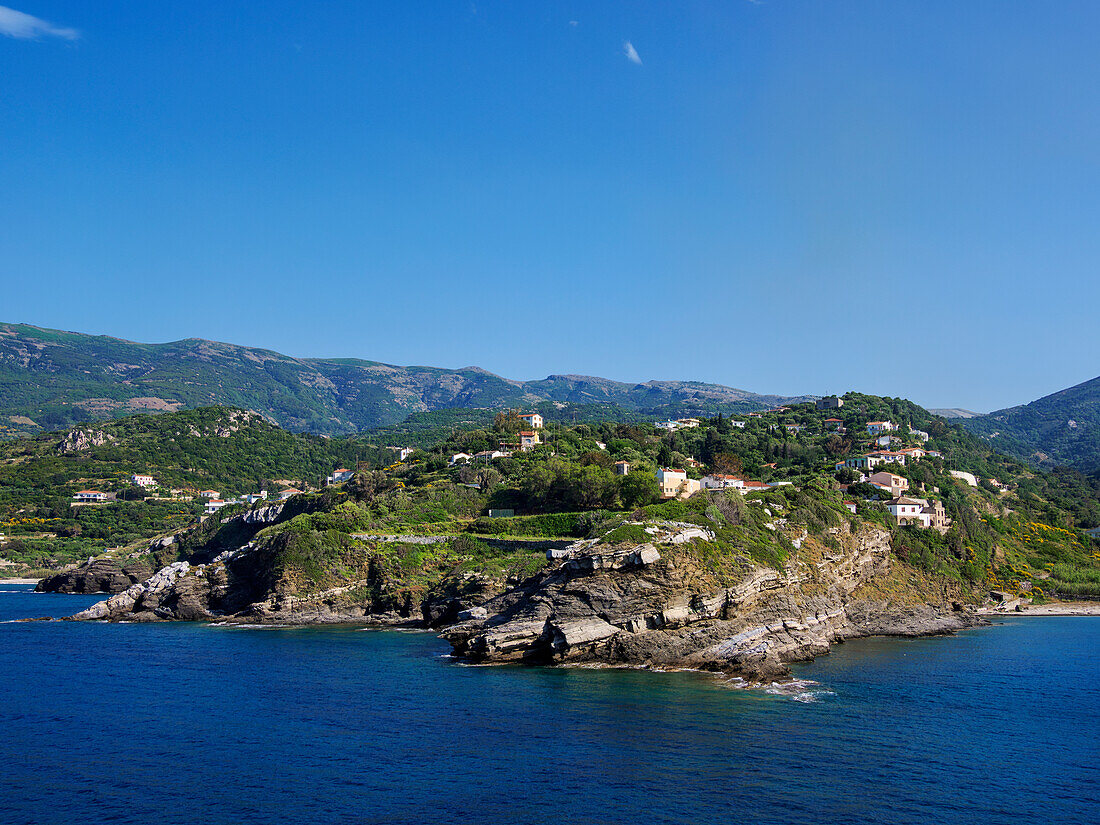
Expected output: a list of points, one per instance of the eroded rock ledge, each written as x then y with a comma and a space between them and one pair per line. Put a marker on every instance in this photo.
653, 604
652, 612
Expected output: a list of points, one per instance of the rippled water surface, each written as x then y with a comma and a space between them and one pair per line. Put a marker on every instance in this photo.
170, 723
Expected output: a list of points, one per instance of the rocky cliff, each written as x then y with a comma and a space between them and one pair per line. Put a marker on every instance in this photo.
99, 575
656, 605
663, 594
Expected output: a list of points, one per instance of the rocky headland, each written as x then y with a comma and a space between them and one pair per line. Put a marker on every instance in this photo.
649, 593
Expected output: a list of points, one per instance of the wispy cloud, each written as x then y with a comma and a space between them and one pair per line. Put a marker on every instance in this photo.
631, 53
27, 27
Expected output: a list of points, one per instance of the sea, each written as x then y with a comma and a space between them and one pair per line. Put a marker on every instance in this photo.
209, 723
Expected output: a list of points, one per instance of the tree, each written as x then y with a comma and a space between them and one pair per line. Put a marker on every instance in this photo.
727, 463
711, 445
638, 489
366, 485
508, 422
598, 457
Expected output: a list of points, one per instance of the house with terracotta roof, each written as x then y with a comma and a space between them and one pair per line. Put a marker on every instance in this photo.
876, 427
919, 512
676, 484
532, 420
755, 486
339, 475
288, 493
720, 481
529, 439
895, 485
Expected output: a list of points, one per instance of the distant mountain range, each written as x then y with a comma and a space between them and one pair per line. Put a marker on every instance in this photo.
51, 380
1059, 429
955, 412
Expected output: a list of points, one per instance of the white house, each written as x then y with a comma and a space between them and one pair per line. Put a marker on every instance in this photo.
913, 453
532, 420
969, 478
92, 495
288, 493
718, 481
876, 427
918, 511
402, 452
210, 494
622, 468
340, 475
460, 458
252, 498
909, 510
755, 486
739, 424
920, 434
489, 455
793, 428
213, 505
678, 424
676, 484
888, 457
143, 481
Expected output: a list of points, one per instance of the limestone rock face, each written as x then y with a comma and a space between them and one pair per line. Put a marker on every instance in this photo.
78, 440
656, 613
665, 602
97, 576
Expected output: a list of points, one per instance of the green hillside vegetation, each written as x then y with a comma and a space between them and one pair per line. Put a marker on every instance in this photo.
227, 450
1059, 429
51, 380
991, 538
1023, 531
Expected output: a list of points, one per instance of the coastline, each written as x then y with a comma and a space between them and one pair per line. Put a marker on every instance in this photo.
19, 581
1052, 609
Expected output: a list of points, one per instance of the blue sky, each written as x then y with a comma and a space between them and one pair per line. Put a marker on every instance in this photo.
786, 196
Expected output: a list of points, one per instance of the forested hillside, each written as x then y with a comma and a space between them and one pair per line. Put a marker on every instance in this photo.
1059, 429
50, 380
231, 451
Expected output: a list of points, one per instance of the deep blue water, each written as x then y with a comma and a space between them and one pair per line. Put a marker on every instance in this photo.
192, 723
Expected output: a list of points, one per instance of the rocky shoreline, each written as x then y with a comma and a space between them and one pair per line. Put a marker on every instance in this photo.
649, 604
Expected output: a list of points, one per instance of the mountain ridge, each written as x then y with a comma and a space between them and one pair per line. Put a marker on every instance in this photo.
53, 379
1062, 428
